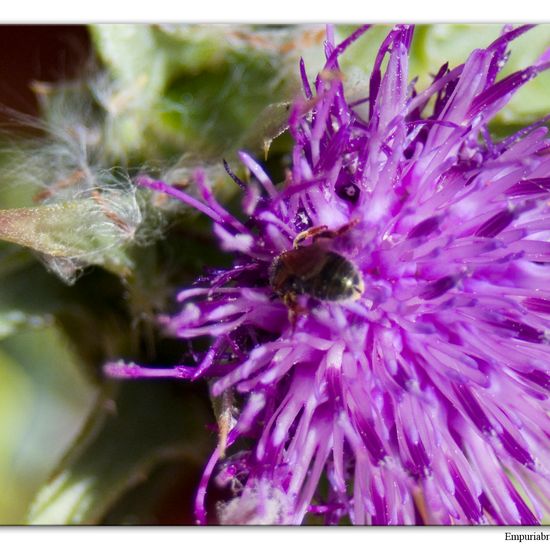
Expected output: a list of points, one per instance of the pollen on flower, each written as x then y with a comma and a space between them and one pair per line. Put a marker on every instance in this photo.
425, 400
258, 505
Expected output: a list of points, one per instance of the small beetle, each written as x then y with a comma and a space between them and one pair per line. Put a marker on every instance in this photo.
315, 270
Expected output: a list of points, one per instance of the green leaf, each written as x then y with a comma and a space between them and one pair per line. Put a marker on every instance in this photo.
44, 399
15, 401
72, 234
127, 436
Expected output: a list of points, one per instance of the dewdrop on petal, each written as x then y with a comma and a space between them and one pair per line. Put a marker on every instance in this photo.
425, 401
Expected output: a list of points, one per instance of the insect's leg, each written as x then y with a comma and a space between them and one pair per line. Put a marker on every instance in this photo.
294, 309
332, 233
323, 232
311, 232
345, 228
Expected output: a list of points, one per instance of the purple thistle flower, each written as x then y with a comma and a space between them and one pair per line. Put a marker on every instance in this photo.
426, 399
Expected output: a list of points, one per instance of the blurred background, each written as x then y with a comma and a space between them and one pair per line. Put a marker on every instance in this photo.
54, 338
44, 397
29, 53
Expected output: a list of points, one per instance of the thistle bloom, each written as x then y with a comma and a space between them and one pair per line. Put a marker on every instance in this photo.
425, 400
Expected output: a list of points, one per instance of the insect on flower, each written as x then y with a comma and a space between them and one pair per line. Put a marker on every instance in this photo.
315, 270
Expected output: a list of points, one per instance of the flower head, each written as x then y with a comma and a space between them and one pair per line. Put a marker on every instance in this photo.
424, 400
